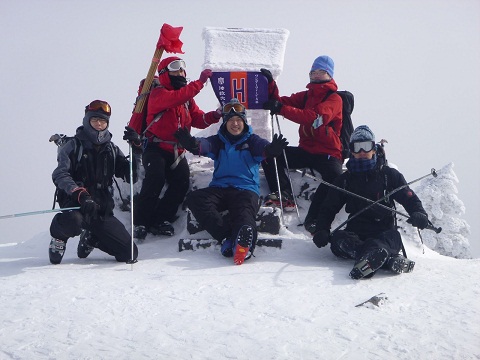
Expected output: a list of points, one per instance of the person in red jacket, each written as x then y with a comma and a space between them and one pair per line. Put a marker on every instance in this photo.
170, 107
318, 111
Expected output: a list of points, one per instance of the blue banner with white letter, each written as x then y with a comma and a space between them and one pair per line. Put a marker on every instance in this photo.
250, 88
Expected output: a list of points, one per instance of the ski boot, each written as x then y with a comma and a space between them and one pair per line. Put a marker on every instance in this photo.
56, 250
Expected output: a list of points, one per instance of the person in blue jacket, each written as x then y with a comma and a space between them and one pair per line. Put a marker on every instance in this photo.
237, 153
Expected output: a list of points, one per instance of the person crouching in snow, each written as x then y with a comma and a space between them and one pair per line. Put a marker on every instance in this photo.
84, 175
370, 238
235, 186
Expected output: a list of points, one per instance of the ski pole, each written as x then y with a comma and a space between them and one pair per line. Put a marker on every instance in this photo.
278, 180
352, 193
430, 226
130, 161
288, 171
37, 212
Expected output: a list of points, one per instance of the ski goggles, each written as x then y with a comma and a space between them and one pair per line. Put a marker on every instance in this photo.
176, 65
236, 108
365, 146
99, 105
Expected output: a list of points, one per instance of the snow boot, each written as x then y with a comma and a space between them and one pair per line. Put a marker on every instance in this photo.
193, 226
368, 264
164, 228
310, 225
85, 245
269, 223
56, 250
399, 264
273, 199
243, 242
139, 232
227, 247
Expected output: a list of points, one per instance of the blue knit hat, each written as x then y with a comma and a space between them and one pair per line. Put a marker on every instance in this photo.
324, 63
362, 133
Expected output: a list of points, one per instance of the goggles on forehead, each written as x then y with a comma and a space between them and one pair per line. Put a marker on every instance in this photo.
236, 108
99, 105
366, 146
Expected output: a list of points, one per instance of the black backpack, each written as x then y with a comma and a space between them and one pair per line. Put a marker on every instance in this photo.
347, 125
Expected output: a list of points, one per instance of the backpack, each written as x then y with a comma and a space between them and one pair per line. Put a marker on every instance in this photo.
347, 125
138, 121
60, 140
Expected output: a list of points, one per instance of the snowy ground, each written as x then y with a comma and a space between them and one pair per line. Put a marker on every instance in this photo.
291, 303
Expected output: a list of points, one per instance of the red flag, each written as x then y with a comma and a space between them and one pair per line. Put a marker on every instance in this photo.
170, 39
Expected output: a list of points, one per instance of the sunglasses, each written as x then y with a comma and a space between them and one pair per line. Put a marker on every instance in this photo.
236, 108
365, 146
99, 105
98, 120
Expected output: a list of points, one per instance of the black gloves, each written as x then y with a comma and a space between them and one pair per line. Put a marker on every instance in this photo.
132, 137
275, 148
267, 74
419, 220
187, 141
321, 238
88, 207
273, 105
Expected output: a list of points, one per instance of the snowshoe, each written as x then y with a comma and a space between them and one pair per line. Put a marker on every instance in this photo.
399, 264
56, 250
164, 228
85, 246
368, 264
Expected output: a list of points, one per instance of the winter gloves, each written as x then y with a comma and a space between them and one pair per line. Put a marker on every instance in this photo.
205, 75
88, 207
273, 105
419, 220
321, 238
132, 136
187, 141
267, 74
275, 148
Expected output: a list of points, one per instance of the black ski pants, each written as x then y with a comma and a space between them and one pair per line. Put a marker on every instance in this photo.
348, 245
328, 167
149, 210
207, 205
109, 233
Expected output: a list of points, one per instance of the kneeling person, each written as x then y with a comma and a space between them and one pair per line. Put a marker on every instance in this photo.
370, 238
85, 181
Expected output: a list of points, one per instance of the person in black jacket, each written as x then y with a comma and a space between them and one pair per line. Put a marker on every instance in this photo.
84, 175
370, 238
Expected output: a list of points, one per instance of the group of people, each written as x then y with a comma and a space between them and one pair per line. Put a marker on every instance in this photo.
227, 208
